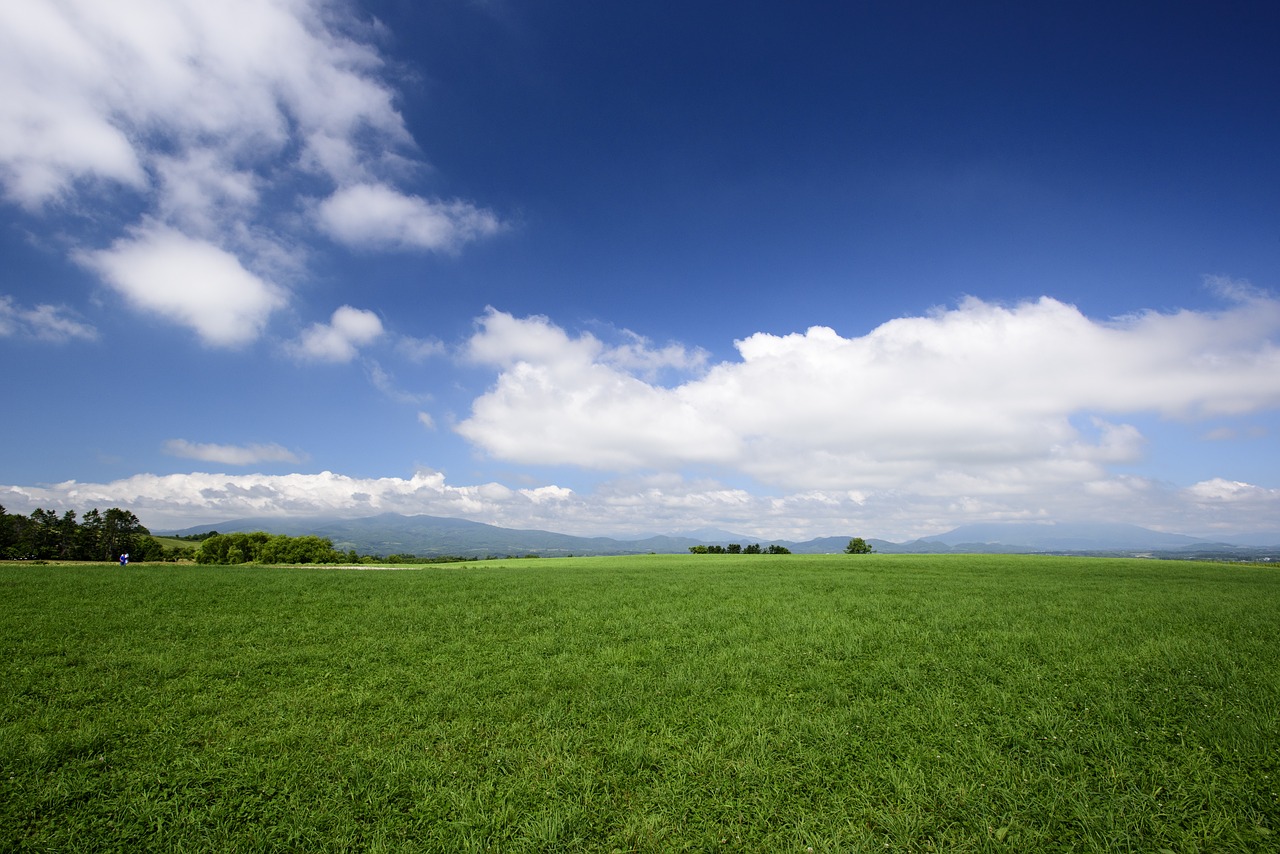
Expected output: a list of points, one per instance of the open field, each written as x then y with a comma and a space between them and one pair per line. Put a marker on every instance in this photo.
664, 703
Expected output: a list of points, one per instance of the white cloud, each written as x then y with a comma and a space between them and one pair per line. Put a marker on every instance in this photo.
53, 128
219, 118
977, 400
232, 455
655, 504
340, 339
577, 407
639, 357
1230, 491
188, 281
109, 91
44, 322
1218, 507
182, 499
380, 217
201, 190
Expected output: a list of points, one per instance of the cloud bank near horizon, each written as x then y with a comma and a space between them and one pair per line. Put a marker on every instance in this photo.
653, 504
981, 412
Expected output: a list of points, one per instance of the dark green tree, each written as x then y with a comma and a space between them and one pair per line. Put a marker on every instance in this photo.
261, 547
858, 546
53, 537
232, 548
7, 523
22, 541
147, 548
91, 538
121, 531
307, 549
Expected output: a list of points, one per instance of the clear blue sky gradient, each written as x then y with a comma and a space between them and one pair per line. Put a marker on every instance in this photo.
695, 174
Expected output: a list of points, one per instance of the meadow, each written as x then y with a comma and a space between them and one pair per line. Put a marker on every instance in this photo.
657, 703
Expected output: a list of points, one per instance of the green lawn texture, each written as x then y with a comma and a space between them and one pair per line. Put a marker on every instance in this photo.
659, 703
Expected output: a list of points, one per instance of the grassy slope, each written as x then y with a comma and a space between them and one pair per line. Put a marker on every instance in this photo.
171, 543
975, 703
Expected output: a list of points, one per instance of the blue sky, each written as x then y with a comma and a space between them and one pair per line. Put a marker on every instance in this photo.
874, 269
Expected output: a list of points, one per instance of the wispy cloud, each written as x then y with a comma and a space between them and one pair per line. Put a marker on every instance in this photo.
376, 216
1228, 434
43, 322
419, 349
386, 384
200, 113
231, 455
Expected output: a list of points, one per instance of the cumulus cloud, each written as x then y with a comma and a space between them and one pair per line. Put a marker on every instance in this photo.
976, 400
231, 455
43, 322
379, 217
577, 406
1230, 492
1222, 506
340, 339
223, 120
188, 281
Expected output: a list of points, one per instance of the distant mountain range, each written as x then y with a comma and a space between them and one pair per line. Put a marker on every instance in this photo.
392, 533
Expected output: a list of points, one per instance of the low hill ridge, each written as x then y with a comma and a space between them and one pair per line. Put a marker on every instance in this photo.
393, 533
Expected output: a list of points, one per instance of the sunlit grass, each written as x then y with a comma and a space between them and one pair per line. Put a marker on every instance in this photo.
755, 703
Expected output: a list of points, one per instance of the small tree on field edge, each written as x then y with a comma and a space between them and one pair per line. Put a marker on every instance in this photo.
859, 546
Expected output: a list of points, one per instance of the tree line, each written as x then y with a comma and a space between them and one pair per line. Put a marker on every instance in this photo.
46, 535
857, 546
261, 547
739, 549
106, 535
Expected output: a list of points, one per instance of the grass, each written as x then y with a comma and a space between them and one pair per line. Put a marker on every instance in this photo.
661, 703
171, 543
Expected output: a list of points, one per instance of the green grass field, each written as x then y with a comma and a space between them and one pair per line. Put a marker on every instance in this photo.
661, 703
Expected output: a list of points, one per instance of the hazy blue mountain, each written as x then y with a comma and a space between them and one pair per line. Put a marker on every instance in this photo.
1263, 539
834, 545
821, 546
1062, 536
708, 536
392, 533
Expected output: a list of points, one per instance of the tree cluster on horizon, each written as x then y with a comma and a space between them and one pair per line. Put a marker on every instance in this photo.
97, 536
264, 548
738, 548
